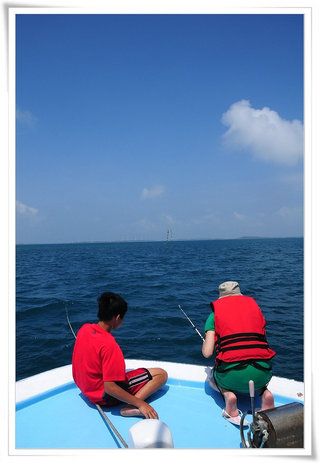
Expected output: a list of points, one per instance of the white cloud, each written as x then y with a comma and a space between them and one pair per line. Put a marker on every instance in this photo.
25, 210
290, 212
25, 117
169, 219
154, 192
263, 133
239, 216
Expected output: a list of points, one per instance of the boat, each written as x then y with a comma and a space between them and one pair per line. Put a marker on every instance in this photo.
52, 413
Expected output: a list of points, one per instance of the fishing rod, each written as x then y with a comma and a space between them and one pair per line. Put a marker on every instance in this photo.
75, 337
104, 416
193, 325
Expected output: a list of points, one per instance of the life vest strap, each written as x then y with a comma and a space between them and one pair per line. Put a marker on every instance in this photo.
224, 343
242, 335
247, 346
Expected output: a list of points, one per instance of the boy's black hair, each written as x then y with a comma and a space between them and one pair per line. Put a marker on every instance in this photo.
111, 305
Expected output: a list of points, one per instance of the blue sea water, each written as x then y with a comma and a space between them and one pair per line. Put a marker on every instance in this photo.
154, 278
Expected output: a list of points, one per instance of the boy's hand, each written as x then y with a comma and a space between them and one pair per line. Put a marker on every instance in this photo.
148, 411
135, 407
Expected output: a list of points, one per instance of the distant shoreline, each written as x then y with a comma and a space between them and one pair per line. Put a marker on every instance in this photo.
163, 241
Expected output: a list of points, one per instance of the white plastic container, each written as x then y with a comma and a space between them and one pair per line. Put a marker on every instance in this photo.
150, 434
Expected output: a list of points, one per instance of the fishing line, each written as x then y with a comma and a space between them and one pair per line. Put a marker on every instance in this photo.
104, 416
193, 325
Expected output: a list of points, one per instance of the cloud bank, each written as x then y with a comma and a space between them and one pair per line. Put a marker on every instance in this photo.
154, 192
23, 209
263, 133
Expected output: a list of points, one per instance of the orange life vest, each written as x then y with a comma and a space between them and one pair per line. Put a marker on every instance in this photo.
240, 330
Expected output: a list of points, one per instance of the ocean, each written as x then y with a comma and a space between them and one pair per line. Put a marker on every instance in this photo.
154, 278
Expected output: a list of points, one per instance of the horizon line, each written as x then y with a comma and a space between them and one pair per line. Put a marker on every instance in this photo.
159, 241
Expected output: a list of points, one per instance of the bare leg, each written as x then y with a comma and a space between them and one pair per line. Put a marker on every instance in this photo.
213, 384
159, 378
267, 400
229, 397
231, 402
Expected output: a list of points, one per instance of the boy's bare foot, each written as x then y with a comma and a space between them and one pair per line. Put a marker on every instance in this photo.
130, 410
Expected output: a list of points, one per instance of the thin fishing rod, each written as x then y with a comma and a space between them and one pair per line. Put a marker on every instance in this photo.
111, 425
75, 337
104, 416
193, 325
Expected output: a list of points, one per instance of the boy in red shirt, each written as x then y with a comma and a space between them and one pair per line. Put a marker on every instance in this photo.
98, 365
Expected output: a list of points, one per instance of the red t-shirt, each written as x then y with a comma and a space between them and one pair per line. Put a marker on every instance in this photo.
96, 358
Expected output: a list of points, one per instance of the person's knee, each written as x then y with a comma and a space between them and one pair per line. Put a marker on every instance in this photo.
160, 374
267, 399
267, 395
231, 398
164, 375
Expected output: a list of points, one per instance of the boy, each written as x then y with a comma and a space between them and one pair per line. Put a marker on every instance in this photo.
98, 365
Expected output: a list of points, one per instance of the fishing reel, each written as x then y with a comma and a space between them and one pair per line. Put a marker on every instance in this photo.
280, 427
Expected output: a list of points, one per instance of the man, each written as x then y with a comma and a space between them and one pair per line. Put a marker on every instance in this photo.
98, 365
236, 328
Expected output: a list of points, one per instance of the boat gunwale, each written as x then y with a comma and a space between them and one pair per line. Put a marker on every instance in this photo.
51, 382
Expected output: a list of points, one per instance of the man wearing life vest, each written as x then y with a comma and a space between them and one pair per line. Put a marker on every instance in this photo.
236, 329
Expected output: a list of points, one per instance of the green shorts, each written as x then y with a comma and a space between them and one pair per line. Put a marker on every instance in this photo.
236, 379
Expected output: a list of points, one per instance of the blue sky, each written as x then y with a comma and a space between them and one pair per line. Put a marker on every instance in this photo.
130, 125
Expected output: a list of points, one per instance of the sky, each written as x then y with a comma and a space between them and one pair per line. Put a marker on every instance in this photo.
128, 126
